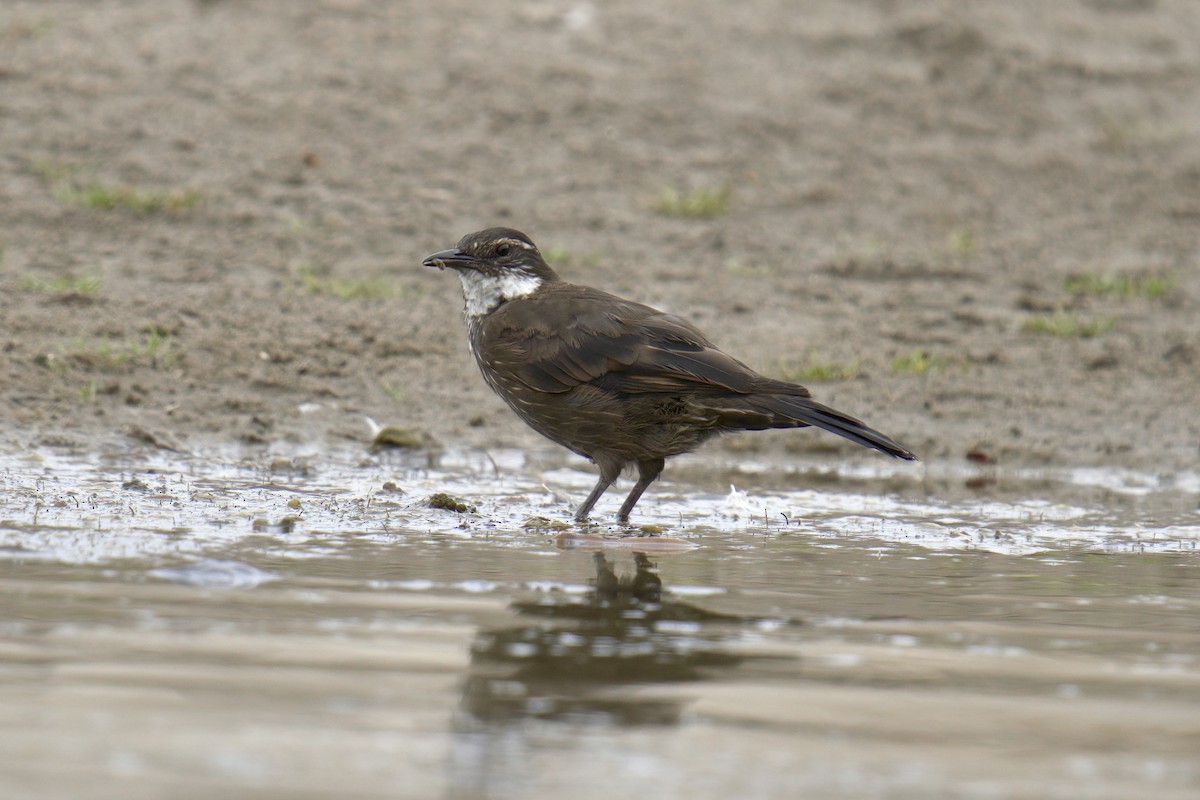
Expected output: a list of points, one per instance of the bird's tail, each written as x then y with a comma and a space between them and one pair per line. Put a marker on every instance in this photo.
792, 411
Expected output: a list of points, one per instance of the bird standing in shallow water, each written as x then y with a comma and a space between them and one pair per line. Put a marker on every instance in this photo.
615, 381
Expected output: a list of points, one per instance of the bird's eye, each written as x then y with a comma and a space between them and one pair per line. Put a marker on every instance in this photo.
503, 250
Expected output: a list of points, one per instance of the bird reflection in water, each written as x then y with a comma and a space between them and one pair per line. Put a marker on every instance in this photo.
571, 654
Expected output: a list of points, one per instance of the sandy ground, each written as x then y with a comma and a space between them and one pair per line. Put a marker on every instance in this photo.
188, 189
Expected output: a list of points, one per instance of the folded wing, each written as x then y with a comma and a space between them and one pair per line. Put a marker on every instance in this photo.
632, 349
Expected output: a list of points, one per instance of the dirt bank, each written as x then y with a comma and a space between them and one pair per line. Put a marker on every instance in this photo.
981, 221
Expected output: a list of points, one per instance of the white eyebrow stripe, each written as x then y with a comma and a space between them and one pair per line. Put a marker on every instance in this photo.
518, 243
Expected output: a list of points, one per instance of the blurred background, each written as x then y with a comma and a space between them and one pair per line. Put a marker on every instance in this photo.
972, 224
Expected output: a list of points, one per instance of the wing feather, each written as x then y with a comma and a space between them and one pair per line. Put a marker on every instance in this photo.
613, 344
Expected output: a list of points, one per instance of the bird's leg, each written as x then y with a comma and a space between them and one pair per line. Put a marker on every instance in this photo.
608, 474
648, 471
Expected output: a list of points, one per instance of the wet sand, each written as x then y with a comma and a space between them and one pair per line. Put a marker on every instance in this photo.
228, 625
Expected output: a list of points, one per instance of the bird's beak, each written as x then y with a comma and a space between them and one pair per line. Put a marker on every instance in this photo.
453, 258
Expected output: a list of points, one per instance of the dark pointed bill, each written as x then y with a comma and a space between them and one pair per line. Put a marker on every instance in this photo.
453, 258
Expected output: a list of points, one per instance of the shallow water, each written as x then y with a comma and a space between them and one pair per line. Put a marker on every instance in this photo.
304, 625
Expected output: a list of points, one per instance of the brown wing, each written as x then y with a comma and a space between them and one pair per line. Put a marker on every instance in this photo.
568, 336
571, 335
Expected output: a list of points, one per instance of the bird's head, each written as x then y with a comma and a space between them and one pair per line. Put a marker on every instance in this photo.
495, 265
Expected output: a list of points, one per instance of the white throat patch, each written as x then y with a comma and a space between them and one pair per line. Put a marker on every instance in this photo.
484, 293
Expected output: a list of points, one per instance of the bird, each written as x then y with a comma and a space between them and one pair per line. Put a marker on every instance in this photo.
620, 383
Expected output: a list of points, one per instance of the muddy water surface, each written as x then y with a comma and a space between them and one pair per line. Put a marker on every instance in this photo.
305, 625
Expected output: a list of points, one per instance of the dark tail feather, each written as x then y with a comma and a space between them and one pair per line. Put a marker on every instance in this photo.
807, 411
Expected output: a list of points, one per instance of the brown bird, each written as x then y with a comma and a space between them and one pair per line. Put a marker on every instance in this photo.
615, 381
